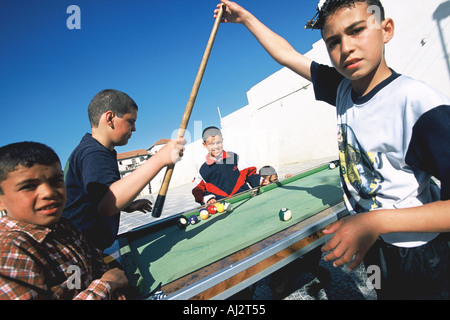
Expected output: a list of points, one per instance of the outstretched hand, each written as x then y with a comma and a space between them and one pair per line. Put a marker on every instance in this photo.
143, 205
118, 280
353, 237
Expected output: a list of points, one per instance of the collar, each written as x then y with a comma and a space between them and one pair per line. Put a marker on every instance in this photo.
210, 160
87, 138
364, 99
37, 232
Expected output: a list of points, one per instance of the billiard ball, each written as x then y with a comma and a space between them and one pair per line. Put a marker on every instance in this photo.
220, 206
204, 214
212, 209
333, 164
285, 214
182, 223
193, 219
228, 207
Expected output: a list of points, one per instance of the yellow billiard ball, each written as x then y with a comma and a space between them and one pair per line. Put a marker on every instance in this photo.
204, 214
220, 207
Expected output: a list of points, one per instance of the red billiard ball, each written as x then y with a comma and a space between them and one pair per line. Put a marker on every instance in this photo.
212, 209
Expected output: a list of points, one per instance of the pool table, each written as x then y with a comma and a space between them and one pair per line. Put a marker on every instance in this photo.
218, 257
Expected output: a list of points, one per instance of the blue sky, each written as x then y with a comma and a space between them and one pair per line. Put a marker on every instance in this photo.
149, 49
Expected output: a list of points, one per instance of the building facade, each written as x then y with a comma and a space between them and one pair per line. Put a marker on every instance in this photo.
130, 161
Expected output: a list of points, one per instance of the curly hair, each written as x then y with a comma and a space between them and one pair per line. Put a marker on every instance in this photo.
329, 7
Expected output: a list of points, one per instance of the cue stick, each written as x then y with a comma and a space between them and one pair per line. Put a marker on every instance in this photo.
157, 209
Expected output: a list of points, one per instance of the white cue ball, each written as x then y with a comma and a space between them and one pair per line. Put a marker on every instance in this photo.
228, 207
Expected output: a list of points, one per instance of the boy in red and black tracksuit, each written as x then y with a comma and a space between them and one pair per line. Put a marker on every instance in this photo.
223, 174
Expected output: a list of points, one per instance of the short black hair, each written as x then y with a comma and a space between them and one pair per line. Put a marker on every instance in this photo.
267, 171
210, 132
331, 6
110, 99
26, 154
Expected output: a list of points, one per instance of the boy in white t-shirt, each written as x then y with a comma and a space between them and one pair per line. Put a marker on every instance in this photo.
393, 135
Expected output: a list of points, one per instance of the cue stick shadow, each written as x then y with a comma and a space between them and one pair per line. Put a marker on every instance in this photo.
324, 192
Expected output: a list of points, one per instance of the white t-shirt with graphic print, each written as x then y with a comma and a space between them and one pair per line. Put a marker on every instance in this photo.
391, 142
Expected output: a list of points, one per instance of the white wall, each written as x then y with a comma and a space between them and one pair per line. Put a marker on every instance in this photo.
305, 129
415, 20
185, 170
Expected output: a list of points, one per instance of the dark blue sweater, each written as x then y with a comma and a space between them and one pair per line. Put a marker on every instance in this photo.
224, 178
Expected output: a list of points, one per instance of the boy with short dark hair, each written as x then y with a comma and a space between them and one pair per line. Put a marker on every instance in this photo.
95, 192
393, 136
41, 255
269, 174
224, 173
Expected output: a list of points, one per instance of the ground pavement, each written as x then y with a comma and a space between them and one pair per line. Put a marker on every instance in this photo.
294, 282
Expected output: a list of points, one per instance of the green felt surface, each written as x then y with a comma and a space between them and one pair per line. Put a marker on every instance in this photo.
170, 253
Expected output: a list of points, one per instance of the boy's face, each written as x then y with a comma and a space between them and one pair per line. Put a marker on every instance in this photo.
214, 145
355, 42
35, 195
270, 178
123, 128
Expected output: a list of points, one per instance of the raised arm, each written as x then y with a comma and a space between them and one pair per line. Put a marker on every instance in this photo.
278, 48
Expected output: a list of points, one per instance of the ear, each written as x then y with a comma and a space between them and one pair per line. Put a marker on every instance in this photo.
388, 27
2, 206
109, 117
